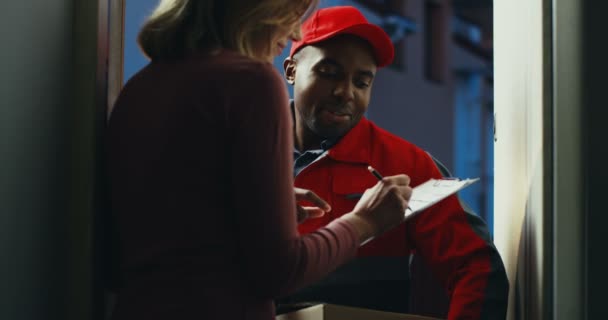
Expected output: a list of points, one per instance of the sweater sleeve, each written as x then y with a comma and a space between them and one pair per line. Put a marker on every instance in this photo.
275, 259
456, 245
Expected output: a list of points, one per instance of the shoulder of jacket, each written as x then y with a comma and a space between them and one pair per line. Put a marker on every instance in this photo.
391, 141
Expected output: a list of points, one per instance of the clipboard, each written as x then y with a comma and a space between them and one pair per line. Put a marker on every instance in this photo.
433, 191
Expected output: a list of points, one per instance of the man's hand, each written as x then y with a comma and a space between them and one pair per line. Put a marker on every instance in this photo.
310, 212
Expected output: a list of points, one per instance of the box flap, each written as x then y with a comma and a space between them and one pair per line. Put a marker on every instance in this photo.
336, 312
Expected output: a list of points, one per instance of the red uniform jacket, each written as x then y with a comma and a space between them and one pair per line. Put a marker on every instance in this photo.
454, 244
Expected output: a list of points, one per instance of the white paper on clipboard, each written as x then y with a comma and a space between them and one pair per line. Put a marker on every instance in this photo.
433, 191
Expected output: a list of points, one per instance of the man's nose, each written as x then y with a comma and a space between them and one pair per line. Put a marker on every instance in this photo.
344, 90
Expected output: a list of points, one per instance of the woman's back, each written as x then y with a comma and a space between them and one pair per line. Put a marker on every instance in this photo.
171, 140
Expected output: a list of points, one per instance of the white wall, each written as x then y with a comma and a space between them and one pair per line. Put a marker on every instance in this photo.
47, 104
519, 98
546, 94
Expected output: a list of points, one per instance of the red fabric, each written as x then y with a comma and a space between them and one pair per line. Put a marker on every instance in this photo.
441, 235
201, 184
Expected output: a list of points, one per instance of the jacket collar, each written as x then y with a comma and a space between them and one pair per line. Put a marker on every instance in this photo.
355, 146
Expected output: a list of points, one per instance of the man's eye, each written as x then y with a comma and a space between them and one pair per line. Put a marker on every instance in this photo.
327, 71
362, 84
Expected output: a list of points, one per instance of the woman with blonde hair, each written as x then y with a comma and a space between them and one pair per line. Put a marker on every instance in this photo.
199, 159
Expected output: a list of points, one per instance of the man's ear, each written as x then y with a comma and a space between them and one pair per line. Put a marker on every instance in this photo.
289, 65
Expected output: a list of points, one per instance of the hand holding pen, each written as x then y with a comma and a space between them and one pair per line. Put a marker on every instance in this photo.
380, 177
381, 207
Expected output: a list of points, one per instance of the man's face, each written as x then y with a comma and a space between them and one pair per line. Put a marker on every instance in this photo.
332, 85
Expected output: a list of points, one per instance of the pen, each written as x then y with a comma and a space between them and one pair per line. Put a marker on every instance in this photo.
379, 177
374, 172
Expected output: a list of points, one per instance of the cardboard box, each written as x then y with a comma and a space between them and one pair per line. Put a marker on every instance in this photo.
335, 312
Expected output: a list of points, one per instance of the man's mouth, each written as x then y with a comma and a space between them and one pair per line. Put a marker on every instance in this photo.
335, 116
339, 113
337, 110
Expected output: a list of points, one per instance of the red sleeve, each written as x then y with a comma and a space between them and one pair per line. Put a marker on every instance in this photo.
456, 245
275, 259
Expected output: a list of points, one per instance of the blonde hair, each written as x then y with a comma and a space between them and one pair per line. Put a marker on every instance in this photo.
177, 28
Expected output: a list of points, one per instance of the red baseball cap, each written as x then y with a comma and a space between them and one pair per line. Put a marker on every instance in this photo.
329, 22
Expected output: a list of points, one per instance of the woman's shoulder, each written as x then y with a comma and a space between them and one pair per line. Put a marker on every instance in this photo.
253, 73
232, 62
230, 68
